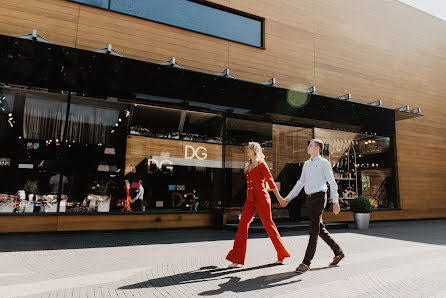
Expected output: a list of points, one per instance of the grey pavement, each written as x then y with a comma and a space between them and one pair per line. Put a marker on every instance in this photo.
391, 259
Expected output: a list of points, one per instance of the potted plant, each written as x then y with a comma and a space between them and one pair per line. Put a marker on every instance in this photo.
100, 198
49, 203
31, 188
361, 209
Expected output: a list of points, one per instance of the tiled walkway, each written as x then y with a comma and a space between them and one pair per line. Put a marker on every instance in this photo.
396, 259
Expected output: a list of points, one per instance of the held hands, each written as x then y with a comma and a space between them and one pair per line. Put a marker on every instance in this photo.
283, 202
336, 208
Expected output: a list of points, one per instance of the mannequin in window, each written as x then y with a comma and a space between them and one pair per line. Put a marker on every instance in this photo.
54, 183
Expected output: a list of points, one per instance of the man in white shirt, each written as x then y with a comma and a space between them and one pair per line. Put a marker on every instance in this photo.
139, 198
54, 183
316, 172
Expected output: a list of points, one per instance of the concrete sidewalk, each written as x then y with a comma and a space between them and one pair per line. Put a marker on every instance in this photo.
396, 259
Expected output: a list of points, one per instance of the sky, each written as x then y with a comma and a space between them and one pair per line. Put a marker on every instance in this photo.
436, 8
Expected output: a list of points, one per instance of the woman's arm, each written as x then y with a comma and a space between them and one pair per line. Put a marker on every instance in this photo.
272, 185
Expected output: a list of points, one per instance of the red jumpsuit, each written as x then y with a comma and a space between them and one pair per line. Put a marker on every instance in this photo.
257, 199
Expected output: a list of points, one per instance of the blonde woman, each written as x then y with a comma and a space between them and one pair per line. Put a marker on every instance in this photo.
256, 172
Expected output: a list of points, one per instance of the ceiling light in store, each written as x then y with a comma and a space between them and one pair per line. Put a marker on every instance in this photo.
119, 120
116, 124
112, 131
9, 115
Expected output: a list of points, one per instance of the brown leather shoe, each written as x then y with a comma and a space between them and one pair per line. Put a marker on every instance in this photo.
337, 259
302, 268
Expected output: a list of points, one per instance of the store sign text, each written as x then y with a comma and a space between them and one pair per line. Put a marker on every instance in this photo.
191, 152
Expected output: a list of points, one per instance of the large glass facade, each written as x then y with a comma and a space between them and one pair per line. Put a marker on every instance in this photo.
68, 153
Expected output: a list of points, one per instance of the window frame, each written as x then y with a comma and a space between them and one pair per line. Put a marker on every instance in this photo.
204, 3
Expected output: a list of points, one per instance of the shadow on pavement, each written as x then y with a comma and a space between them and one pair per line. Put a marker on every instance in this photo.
98, 239
234, 284
429, 231
424, 231
208, 273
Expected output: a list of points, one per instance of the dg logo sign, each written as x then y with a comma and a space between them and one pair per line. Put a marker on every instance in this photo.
199, 153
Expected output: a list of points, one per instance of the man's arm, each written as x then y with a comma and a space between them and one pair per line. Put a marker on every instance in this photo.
328, 172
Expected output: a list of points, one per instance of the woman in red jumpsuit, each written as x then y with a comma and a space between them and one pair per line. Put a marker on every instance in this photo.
256, 172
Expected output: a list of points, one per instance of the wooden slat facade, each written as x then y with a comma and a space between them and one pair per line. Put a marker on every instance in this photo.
372, 49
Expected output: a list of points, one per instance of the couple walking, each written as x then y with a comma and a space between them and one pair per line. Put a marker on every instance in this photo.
316, 172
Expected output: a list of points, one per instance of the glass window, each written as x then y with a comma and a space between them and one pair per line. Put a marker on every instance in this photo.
363, 165
181, 166
238, 134
94, 156
97, 3
192, 16
202, 127
153, 121
31, 131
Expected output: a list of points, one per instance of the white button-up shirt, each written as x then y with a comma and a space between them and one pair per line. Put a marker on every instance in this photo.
316, 173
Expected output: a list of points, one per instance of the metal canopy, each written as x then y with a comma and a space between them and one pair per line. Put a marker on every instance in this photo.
49, 66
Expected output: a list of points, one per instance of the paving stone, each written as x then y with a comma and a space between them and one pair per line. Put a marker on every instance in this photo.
391, 259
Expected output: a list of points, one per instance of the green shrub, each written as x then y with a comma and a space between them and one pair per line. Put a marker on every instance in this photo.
360, 205
31, 187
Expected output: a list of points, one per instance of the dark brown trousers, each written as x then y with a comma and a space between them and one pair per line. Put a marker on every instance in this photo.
316, 203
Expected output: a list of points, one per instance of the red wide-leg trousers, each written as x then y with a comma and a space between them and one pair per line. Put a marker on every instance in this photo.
263, 206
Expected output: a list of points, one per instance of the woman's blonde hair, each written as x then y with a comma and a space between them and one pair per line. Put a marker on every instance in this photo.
258, 150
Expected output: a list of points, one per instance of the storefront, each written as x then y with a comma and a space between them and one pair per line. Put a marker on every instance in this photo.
84, 134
